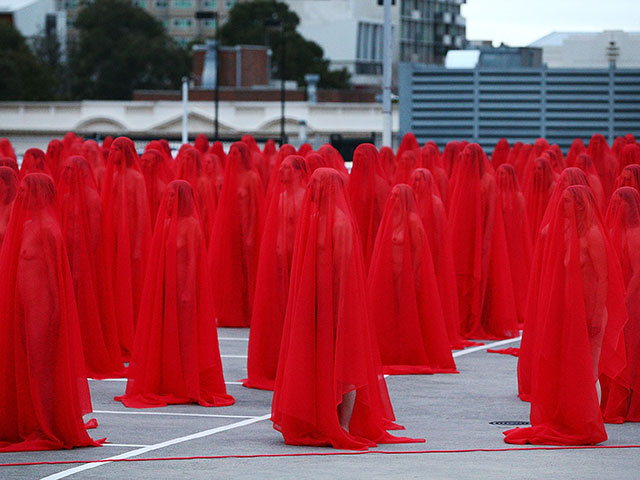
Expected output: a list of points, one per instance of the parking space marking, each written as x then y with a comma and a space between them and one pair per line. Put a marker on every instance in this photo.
233, 339
157, 446
177, 414
484, 347
234, 356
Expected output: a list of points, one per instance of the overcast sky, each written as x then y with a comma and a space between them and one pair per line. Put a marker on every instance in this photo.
520, 22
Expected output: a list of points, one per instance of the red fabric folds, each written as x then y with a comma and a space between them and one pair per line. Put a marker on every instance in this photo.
368, 191
605, 162
630, 177
274, 267
585, 163
500, 153
621, 395
92, 153
157, 175
404, 292
235, 240
54, 157
8, 192
44, 391
176, 358
6, 149
329, 372
629, 155
34, 160
581, 316
538, 189
80, 215
429, 159
127, 233
485, 293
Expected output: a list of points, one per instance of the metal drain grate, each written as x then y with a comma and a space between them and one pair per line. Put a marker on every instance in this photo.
509, 422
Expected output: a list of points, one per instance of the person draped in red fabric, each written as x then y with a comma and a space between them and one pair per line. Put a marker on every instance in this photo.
434, 219
157, 176
368, 190
516, 228
162, 146
537, 283
44, 387
556, 158
201, 143
274, 268
408, 317
485, 292
329, 387
189, 168
388, 160
409, 143
315, 161
514, 152
629, 155
34, 160
80, 214
582, 316
235, 240
577, 147
621, 395
269, 152
606, 163
212, 168
126, 227
429, 159
304, 149
55, 157
538, 190
405, 164
274, 179
259, 161
450, 156
218, 149
6, 149
8, 192
11, 163
92, 152
334, 160
500, 153
630, 177
176, 358
520, 162
585, 163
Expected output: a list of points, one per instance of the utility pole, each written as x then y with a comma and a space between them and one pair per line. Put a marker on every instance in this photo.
386, 76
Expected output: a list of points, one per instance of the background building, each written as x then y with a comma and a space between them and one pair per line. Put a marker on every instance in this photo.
33, 18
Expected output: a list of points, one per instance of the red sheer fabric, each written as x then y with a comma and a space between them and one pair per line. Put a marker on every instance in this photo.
235, 240
189, 168
516, 228
630, 177
201, 143
605, 162
585, 163
406, 163
11, 163
212, 167
304, 149
368, 190
500, 153
218, 149
126, 230
485, 293
581, 316
6, 149
629, 155
269, 152
434, 220
429, 159
176, 357
92, 153
315, 161
55, 157
334, 160
577, 147
538, 189
514, 152
274, 267
329, 388
621, 395
520, 162
162, 146
274, 179
44, 391
403, 289
157, 175
388, 160
450, 156
259, 161
556, 158
34, 160
8, 192
408, 144
80, 216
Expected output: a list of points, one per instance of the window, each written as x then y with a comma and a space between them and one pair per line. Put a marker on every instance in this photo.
182, 4
210, 4
229, 3
140, 3
182, 23
209, 23
71, 4
162, 3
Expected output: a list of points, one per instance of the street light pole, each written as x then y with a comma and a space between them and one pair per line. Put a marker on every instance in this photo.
217, 91
282, 83
386, 75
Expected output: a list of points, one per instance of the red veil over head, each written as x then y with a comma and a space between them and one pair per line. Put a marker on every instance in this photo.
126, 227
621, 395
403, 288
34, 160
368, 190
157, 175
585, 163
606, 163
577, 147
388, 159
201, 143
630, 177
405, 164
235, 240
328, 353
175, 356
80, 215
8, 192
44, 391
274, 267
485, 292
55, 157
92, 153
274, 179
538, 189
430, 159
500, 153
516, 228
629, 155
6, 149
581, 317
315, 161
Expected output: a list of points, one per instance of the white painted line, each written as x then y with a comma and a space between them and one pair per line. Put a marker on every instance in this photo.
484, 347
177, 414
233, 339
124, 380
122, 445
234, 383
234, 356
157, 446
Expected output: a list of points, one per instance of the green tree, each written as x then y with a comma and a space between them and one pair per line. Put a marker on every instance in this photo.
254, 23
121, 48
23, 77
